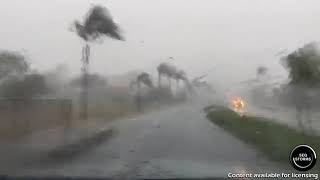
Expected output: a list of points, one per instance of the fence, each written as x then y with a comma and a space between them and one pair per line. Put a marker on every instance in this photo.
19, 117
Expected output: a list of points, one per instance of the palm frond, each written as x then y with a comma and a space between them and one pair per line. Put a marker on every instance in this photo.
98, 23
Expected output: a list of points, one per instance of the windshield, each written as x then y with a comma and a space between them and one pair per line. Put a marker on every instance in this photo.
127, 89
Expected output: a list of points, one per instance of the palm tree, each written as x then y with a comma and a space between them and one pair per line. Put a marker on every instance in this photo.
167, 70
97, 23
142, 78
179, 75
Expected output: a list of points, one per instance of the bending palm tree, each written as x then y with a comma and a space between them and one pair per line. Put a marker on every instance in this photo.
143, 78
97, 23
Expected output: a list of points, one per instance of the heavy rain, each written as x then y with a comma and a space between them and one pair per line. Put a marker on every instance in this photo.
160, 89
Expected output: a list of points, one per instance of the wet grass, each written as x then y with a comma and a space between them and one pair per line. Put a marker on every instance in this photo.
275, 140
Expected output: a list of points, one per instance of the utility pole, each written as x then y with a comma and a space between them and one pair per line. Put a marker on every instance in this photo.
85, 82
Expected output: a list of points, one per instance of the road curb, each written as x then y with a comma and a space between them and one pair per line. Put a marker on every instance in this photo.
82, 145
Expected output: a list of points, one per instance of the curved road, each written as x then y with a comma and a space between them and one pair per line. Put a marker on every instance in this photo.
176, 142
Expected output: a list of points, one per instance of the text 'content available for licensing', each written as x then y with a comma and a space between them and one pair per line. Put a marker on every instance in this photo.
273, 175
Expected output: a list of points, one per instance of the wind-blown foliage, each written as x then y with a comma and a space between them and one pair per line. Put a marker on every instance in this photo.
31, 86
304, 73
180, 75
167, 69
145, 79
98, 22
304, 65
12, 62
261, 70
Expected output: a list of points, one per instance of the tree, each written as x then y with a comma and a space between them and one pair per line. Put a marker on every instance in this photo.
168, 70
304, 73
97, 23
304, 65
12, 62
180, 75
30, 86
145, 79
261, 71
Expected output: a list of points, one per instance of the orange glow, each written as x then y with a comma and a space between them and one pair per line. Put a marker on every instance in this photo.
239, 105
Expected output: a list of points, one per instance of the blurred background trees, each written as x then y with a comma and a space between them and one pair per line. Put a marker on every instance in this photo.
28, 87
12, 63
16, 80
303, 66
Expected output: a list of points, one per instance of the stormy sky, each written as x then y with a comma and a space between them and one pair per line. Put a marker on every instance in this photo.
231, 36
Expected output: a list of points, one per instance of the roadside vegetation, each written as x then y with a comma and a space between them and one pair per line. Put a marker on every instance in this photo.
298, 92
33, 101
274, 140
57, 100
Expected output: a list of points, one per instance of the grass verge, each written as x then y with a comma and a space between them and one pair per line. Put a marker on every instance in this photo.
274, 140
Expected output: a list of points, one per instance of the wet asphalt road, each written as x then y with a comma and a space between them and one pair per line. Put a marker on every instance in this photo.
176, 142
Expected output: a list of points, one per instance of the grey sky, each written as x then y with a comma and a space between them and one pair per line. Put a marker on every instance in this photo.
200, 34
